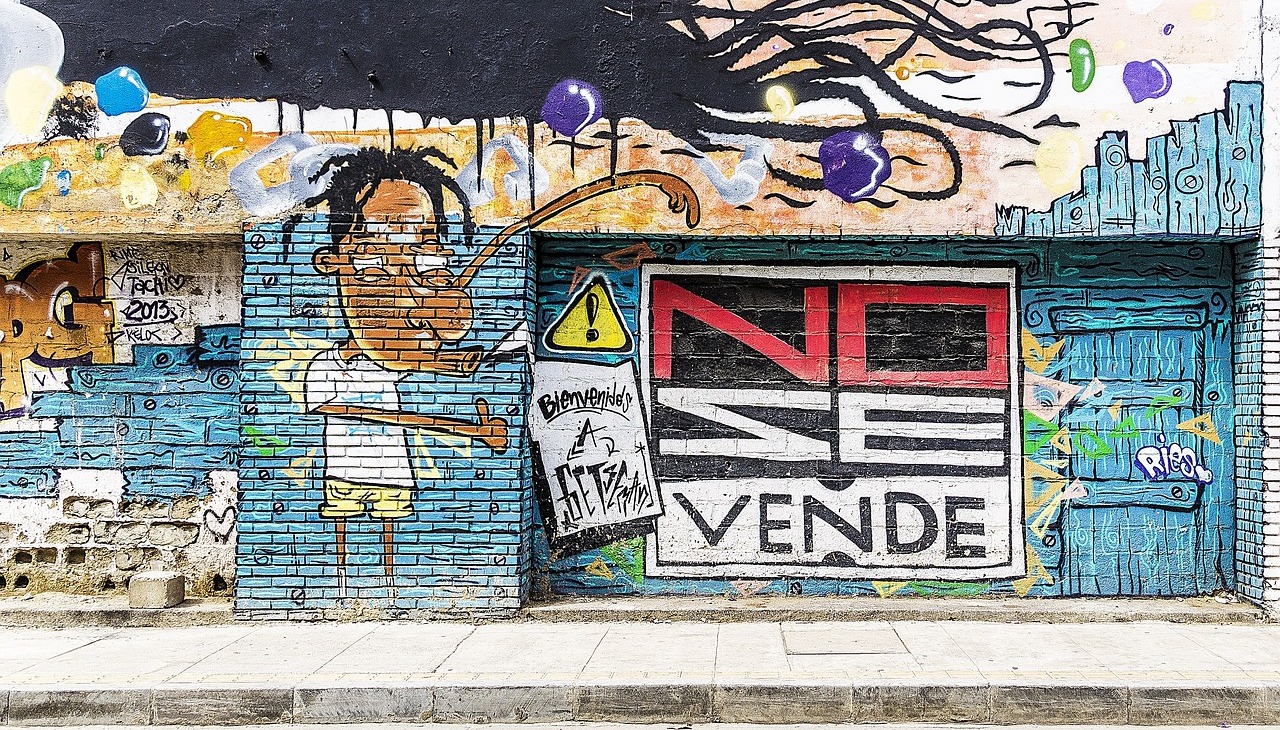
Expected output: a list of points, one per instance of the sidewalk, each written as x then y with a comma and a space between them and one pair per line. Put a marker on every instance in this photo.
924, 671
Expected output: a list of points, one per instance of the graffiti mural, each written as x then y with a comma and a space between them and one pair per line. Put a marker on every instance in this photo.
390, 394
692, 296
925, 428
112, 467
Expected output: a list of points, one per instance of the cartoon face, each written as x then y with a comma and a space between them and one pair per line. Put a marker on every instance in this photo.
401, 300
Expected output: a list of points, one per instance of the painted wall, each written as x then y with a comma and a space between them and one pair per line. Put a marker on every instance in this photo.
120, 380
753, 186
1047, 418
385, 475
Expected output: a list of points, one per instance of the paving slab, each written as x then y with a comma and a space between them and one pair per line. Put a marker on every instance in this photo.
682, 672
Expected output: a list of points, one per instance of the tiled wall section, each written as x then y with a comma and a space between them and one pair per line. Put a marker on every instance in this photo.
461, 548
1253, 361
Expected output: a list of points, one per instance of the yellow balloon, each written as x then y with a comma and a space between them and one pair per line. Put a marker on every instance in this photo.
1204, 11
1058, 160
780, 101
29, 97
137, 188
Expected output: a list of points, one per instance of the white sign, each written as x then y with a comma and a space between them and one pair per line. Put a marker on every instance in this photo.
589, 431
855, 423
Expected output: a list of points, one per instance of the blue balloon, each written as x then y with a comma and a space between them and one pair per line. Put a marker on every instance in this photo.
121, 92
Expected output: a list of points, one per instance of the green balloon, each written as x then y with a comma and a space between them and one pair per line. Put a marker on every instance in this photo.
21, 178
1082, 64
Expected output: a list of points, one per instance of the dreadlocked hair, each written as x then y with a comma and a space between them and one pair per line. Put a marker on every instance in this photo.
356, 177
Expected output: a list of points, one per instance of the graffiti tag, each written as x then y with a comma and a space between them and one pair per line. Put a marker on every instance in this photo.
1166, 459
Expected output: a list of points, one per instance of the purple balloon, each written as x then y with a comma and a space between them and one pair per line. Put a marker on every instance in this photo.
572, 106
854, 165
1147, 80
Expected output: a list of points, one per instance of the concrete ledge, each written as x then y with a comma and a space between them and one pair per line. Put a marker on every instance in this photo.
75, 706
56, 610
482, 704
719, 609
1199, 705
60, 610
362, 704
222, 705
762, 702
637, 703
1027, 704
782, 703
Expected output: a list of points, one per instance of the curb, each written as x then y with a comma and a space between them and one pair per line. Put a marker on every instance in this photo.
712, 609
862, 608
737, 702
198, 614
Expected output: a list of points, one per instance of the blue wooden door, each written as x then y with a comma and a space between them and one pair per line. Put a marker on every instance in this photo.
1150, 443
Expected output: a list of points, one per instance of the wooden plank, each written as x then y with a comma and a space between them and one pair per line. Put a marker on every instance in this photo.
1240, 159
1115, 186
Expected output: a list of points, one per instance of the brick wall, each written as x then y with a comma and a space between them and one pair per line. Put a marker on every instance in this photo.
457, 533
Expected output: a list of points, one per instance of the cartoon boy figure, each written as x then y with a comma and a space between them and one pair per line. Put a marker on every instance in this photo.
404, 307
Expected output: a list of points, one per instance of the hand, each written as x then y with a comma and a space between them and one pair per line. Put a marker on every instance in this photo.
493, 430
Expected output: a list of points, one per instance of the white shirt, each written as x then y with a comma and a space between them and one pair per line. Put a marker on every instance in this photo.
357, 451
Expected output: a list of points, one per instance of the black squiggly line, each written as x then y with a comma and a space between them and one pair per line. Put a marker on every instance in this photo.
792, 202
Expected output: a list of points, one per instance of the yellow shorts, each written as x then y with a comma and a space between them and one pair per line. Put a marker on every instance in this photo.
343, 500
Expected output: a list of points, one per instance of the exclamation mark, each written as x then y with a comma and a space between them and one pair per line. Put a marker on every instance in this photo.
593, 308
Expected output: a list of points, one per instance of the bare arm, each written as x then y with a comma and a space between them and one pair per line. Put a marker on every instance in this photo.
491, 430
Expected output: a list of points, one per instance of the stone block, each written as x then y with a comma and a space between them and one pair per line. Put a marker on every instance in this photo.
363, 704
91, 508
1059, 705
173, 534
957, 703
157, 589
888, 703
783, 703
69, 533
483, 704
145, 510
688, 703
63, 706
1235, 705
184, 508
222, 705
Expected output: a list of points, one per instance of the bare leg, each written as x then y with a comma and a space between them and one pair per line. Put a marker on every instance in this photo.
340, 530
388, 546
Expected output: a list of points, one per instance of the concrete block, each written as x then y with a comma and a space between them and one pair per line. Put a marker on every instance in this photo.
481, 704
1236, 705
362, 704
888, 703
67, 706
956, 703
157, 589
782, 703
222, 705
1058, 705
643, 703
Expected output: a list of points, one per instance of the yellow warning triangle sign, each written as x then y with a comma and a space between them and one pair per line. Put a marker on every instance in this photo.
1203, 427
591, 323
